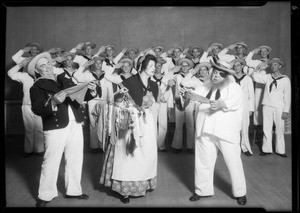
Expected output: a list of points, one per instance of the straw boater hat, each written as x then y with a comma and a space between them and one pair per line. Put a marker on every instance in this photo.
178, 47
266, 47
135, 50
52, 50
242, 61
159, 47
32, 44
98, 58
180, 61
59, 49
31, 66
242, 43
276, 60
66, 54
204, 64
113, 46
93, 45
195, 47
216, 44
128, 60
222, 66
35, 44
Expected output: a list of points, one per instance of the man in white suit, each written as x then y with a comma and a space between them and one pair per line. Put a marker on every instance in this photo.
220, 107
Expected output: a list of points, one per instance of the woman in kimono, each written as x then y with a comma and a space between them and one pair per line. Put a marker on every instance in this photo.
130, 165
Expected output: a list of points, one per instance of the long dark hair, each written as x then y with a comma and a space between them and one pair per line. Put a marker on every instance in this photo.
146, 61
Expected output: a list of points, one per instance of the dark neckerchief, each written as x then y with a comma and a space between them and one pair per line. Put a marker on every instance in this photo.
96, 76
67, 73
86, 57
108, 62
173, 60
274, 82
157, 80
217, 95
238, 80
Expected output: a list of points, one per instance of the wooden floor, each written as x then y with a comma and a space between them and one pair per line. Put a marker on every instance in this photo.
269, 182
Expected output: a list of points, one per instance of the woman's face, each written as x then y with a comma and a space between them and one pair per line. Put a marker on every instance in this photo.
177, 52
150, 69
196, 53
203, 72
264, 52
34, 51
131, 54
88, 50
185, 67
126, 67
216, 50
109, 51
98, 64
238, 67
69, 61
240, 49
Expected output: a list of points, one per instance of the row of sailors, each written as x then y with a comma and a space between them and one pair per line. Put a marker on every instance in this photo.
177, 68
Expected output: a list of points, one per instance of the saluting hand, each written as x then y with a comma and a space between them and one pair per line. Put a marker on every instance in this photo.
24, 62
232, 46
27, 49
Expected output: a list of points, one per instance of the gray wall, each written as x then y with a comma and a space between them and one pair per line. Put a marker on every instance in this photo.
144, 27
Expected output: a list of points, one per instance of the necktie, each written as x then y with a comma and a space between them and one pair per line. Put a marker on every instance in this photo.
98, 88
274, 82
217, 95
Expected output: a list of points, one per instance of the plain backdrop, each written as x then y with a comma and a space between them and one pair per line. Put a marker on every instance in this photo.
144, 27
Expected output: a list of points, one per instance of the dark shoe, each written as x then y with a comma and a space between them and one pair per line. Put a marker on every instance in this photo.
125, 199
248, 153
162, 150
41, 203
150, 190
196, 197
176, 150
241, 200
81, 197
27, 155
282, 155
265, 153
39, 154
191, 151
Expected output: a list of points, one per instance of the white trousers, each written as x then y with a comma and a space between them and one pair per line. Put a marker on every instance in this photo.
95, 143
257, 114
245, 143
160, 114
187, 116
205, 159
273, 115
34, 136
68, 140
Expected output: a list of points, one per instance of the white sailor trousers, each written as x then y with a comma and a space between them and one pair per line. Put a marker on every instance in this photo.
206, 148
68, 140
34, 135
273, 115
95, 143
187, 117
245, 143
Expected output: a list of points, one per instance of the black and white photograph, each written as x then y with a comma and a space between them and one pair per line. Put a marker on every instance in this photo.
150, 106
